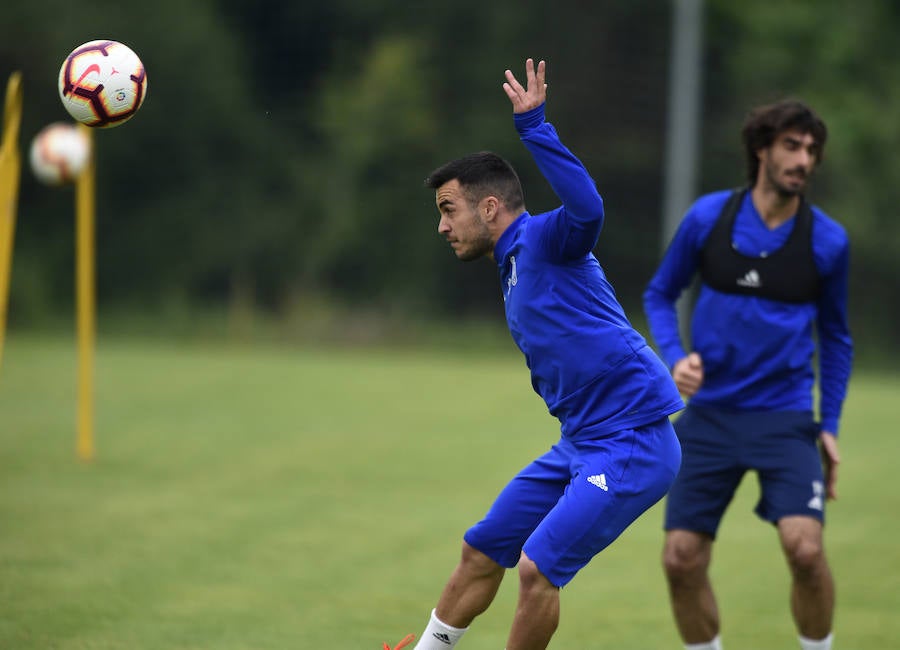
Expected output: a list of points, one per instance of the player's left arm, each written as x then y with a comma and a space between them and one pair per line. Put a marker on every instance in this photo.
572, 230
835, 356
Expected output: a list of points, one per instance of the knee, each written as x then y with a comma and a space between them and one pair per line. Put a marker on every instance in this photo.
805, 556
531, 579
685, 560
477, 564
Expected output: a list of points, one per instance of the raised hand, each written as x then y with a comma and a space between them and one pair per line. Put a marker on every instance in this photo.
535, 92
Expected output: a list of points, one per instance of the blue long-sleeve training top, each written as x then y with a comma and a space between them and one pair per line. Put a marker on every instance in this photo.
757, 353
595, 372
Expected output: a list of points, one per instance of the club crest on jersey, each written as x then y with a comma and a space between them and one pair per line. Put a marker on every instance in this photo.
513, 279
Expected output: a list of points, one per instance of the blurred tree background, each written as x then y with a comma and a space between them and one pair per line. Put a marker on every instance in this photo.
275, 171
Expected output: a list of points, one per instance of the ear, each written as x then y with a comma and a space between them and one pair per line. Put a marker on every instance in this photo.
489, 208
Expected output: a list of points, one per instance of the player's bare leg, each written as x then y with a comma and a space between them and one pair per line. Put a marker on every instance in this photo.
686, 558
812, 587
470, 589
537, 612
469, 592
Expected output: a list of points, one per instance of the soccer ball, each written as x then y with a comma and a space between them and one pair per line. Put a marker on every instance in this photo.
102, 83
59, 153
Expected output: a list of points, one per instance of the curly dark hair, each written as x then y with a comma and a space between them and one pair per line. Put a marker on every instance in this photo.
765, 123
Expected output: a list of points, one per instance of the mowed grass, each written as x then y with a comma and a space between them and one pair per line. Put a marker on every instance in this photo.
292, 498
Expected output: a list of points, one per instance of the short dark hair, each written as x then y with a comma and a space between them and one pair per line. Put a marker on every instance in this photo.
481, 174
765, 123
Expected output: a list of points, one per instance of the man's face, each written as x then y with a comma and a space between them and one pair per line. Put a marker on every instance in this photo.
461, 223
787, 164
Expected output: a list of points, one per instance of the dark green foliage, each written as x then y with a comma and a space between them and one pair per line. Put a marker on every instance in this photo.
281, 150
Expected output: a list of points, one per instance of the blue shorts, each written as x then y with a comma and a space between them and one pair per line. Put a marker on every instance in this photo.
720, 445
572, 502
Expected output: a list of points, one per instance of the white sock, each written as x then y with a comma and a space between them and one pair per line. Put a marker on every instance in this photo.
823, 644
715, 644
438, 635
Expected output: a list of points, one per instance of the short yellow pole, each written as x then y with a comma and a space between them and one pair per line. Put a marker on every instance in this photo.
10, 173
86, 306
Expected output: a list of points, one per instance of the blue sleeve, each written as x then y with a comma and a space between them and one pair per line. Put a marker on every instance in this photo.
572, 230
672, 277
835, 342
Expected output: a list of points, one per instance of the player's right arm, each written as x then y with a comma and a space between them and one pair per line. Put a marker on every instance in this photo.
674, 274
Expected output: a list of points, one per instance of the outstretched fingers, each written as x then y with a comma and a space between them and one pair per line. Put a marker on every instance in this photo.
514, 91
534, 94
536, 78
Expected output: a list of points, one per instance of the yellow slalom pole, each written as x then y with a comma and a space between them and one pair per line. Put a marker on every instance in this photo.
10, 172
86, 298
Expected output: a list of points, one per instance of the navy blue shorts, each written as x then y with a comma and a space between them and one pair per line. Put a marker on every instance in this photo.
720, 445
572, 502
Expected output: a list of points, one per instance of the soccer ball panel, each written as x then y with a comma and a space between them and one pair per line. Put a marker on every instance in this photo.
102, 83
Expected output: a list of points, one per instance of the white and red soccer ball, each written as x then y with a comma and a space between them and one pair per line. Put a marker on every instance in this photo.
59, 153
102, 83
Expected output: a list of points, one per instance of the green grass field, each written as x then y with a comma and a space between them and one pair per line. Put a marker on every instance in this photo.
259, 497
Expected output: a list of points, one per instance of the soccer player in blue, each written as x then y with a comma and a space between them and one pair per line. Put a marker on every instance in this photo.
773, 272
618, 453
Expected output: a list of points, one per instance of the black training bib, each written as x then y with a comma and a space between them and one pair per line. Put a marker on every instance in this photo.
788, 274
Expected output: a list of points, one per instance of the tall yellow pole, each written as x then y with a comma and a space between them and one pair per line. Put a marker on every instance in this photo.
10, 172
86, 299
